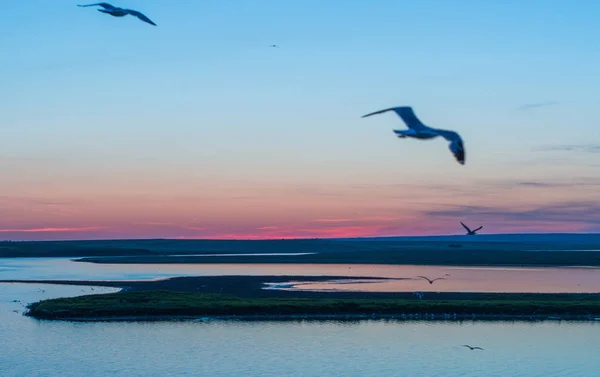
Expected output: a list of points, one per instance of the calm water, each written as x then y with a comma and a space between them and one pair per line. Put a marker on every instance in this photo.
270, 348
461, 279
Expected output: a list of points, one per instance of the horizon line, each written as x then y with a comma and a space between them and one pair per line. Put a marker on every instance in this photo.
304, 238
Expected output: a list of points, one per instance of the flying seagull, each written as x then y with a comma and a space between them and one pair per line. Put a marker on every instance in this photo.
418, 130
429, 280
469, 231
274, 46
119, 12
472, 348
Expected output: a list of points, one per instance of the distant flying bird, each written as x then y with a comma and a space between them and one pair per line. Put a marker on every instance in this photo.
274, 46
418, 130
119, 12
472, 348
429, 280
469, 231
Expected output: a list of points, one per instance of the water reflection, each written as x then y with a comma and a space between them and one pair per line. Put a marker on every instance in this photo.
307, 348
556, 280
460, 279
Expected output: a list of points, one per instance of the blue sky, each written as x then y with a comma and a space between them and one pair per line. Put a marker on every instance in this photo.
117, 126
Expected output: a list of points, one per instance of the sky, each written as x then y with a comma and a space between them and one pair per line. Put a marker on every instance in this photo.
196, 128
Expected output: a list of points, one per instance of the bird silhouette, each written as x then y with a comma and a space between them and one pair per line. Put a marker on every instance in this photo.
429, 280
472, 348
119, 12
469, 231
274, 46
418, 130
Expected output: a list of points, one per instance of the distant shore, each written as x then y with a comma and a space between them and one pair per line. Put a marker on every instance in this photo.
456, 251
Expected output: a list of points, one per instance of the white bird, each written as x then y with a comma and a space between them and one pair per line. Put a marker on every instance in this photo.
418, 130
119, 12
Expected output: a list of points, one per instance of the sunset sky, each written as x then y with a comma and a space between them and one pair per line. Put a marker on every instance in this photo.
196, 128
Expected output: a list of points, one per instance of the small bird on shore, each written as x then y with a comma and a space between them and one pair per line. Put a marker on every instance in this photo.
429, 280
469, 231
472, 348
418, 130
119, 12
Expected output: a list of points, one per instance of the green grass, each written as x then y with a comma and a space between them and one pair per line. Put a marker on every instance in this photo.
170, 303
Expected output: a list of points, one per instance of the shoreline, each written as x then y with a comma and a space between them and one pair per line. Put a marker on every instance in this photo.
342, 317
242, 297
251, 260
253, 286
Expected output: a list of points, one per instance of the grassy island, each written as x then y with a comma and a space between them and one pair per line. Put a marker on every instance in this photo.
147, 304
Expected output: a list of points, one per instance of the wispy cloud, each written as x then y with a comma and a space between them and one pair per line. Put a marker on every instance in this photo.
267, 228
381, 218
333, 220
190, 227
51, 230
531, 106
573, 183
584, 148
157, 223
539, 184
359, 220
587, 212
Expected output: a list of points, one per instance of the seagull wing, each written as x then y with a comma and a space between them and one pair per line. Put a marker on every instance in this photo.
478, 348
466, 227
458, 151
465, 345
475, 230
407, 114
423, 277
457, 147
140, 16
103, 5
449, 135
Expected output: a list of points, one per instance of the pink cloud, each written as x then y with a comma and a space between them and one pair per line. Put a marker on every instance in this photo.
50, 230
157, 223
278, 233
381, 218
333, 220
359, 220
